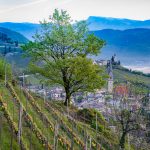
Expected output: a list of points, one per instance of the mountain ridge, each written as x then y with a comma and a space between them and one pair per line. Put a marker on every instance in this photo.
99, 23
94, 23
13, 35
130, 44
26, 28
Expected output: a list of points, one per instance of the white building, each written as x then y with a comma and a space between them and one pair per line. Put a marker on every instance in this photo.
100, 62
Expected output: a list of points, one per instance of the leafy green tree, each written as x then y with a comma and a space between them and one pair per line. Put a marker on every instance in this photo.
60, 53
146, 113
129, 123
127, 117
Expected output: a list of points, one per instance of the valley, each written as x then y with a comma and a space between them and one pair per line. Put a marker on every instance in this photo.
70, 88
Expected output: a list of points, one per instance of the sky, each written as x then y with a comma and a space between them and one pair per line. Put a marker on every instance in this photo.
36, 10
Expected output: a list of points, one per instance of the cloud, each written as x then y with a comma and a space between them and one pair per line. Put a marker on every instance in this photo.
31, 11
21, 6
14, 2
35, 10
57, 4
137, 68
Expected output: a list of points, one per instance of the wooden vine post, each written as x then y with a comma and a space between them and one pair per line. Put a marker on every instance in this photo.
72, 140
56, 136
90, 143
1, 123
20, 124
5, 73
85, 139
11, 129
11, 139
96, 133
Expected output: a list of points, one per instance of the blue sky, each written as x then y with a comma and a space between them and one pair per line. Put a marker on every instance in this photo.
35, 10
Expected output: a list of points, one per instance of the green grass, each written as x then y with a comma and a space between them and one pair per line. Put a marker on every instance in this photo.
32, 113
122, 75
139, 83
56, 112
79, 127
41, 124
59, 106
12, 108
52, 115
6, 135
14, 112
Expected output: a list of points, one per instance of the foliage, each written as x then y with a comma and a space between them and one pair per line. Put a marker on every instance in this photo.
79, 99
89, 116
5, 133
60, 52
106, 137
128, 118
146, 114
4, 64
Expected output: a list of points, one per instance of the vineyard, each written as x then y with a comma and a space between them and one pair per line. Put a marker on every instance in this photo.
28, 121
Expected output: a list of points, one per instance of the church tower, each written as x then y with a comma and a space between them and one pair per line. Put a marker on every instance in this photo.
110, 79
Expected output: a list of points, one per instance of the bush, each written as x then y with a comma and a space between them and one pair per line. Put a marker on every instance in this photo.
89, 116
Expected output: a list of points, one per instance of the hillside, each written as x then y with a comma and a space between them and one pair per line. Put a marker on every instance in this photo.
41, 117
45, 123
14, 36
140, 81
131, 46
131, 37
10, 42
99, 23
26, 29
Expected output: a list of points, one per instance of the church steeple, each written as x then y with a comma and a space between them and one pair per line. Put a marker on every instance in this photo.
110, 73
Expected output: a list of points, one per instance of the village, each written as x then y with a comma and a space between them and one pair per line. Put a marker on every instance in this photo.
100, 99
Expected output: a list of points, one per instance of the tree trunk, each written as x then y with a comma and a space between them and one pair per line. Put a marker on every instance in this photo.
67, 99
122, 141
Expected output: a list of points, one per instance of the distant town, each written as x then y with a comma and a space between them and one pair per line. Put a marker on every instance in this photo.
99, 100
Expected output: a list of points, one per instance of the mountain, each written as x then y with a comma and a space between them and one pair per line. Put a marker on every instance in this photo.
94, 23
129, 39
99, 23
10, 47
6, 34
132, 46
26, 29
137, 38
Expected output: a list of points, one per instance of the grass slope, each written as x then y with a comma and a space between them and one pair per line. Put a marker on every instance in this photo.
140, 81
122, 74
44, 116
